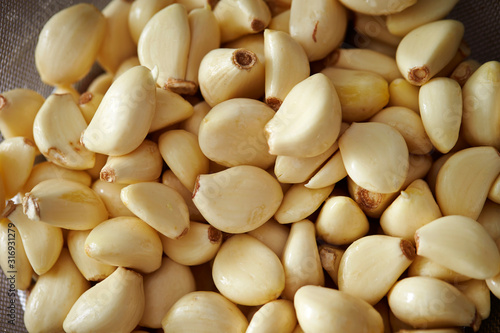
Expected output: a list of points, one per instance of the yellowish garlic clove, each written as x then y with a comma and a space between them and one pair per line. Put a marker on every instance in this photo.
464, 71
494, 192
110, 196
90, 268
192, 124
301, 259
88, 104
125, 65
193, 4
141, 11
101, 84
373, 26
426, 50
321, 309
373, 204
247, 145
477, 291
17, 155
418, 169
170, 179
308, 121
115, 304
65, 204
431, 177
170, 109
204, 311
378, 7
273, 235
423, 266
277, 316
65, 58
238, 199
18, 109
124, 115
163, 288
490, 218
403, 93
330, 260
330, 173
159, 205
281, 21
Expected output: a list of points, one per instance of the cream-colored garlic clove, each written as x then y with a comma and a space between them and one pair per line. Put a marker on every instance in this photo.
126, 65
115, 304
192, 124
286, 65
101, 84
330, 173
238, 199
53, 295
232, 133
378, 7
170, 179
199, 245
65, 204
373, 27
494, 192
375, 156
490, 218
42, 242
159, 205
414, 300
281, 21
341, 221
301, 259
124, 115
464, 71
373, 204
477, 291
181, 151
412, 209
308, 121
460, 244
13, 260
170, 109
204, 312
125, 241
65, 58
299, 202
193, 4
277, 316
321, 309
247, 272
418, 169
141, 11
110, 196
17, 155
241, 18
163, 288
403, 93
252, 42
90, 268
18, 109
361, 93
319, 26
118, 44
57, 129
426, 50
143, 164
227, 73
474, 169
273, 235
88, 104
423, 266
331, 257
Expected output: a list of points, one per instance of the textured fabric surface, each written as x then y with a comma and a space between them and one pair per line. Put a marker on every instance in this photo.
21, 20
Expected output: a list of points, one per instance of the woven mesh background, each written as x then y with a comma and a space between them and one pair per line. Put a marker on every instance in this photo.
21, 20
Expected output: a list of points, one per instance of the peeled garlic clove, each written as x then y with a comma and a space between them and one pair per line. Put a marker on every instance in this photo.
274, 317
330, 260
375, 156
378, 7
110, 196
158, 205
57, 129
481, 100
423, 266
53, 295
124, 115
18, 108
440, 102
90, 268
246, 146
341, 221
373, 204
412, 209
181, 151
322, 309
460, 244
493, 283
88, 104
16, 162
464, 71
281, 21
170, 179
197, 246
193, 4
361, 93
117, 44
299, 202
418, 169
247, 272
253, 42
301, 259
65, 58
426, 50
163, 288
286, 65
101, 84
238, 199
494, 192
42, 242
414, 301
319, 26
373, 27
474, 169
164, 42
490, 218
192, 124
125, 241
126, 65
115, 304
65, 204
170, 109
227, 73
273, 235
290, 169
141, 12
330, 173
141, 165
241, 18
204, 311
13, 260
403, 93
308, 121
477, 291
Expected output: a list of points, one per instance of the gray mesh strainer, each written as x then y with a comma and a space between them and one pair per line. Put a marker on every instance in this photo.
21, 20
